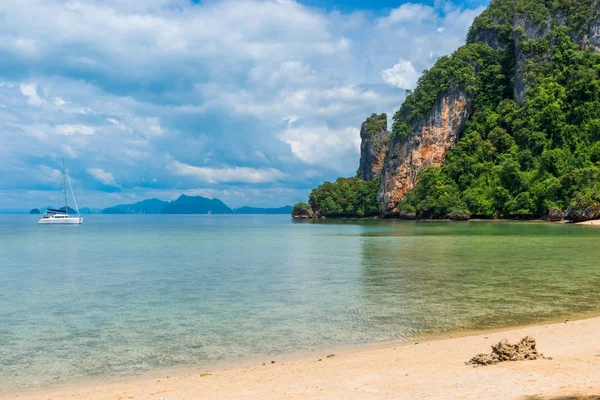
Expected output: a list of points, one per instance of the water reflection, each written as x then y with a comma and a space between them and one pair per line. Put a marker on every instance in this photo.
434, 277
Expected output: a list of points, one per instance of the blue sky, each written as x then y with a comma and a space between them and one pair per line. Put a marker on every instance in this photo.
251, 101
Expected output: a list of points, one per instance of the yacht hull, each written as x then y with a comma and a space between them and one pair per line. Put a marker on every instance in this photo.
61, 221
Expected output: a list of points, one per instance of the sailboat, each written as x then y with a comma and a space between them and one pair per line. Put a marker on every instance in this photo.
61, 216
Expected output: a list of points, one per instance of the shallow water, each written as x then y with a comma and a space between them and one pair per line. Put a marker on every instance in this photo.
122, 295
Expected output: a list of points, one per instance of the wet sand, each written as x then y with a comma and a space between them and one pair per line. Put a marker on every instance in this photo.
433, 369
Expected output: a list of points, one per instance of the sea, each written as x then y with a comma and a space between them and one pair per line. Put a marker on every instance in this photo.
123, 295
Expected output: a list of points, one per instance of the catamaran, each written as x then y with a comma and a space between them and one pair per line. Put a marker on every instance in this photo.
61, 216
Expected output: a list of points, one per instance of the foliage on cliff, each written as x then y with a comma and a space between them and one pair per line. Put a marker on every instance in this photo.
302, 208
346, 197
521, 161
376, 123
375, 140
476, 67
498, 18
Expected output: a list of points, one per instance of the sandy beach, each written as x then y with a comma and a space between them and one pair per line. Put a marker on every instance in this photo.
592, 222
433, 369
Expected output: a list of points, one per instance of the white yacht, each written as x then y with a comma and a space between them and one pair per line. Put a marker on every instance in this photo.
61, 216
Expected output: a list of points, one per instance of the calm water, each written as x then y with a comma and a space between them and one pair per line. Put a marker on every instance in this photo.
124, 295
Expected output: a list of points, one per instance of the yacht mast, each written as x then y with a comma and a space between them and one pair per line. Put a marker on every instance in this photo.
71, 188
63, 186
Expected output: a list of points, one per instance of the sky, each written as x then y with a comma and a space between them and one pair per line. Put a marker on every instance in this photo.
254, 102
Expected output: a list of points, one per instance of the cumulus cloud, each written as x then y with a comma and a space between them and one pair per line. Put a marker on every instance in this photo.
106, 178
402, 75
408, 12
226, 174
319, 145
30, 91
49, 174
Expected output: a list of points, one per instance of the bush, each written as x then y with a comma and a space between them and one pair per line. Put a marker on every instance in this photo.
347, 197
300, 207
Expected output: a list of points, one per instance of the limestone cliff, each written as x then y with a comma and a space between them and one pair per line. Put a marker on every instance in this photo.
374, 143
431, 138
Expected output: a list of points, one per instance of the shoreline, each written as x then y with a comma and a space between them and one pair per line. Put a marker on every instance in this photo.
595, 222
388, 218
378, 371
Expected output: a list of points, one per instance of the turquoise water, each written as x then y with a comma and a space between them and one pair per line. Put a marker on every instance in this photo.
122, 295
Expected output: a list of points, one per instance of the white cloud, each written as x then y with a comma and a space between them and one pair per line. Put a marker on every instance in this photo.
50, 175
402, 75
226, 174
117, 123
68, 150
337, 102
30, 91
154, 128
323, 146
407, 13
288, 74
59, 102
76, 129
102, 176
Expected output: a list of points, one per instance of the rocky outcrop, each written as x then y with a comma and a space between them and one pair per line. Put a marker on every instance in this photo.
431, 138
302, 214
458, 216
303, 211
503, 351
580, 214
491, 35
592, 38
374, 138
525, 29
555, 215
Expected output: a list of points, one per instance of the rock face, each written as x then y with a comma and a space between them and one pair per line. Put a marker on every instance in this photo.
373, 147
580, 214
432, 137
303, 211
458, 216
504, 351
302, 214
555, 215
528, 31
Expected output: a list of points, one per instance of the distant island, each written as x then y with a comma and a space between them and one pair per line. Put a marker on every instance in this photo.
189, 205
182, 205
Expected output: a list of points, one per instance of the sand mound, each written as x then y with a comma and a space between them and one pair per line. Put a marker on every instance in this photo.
504, 351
